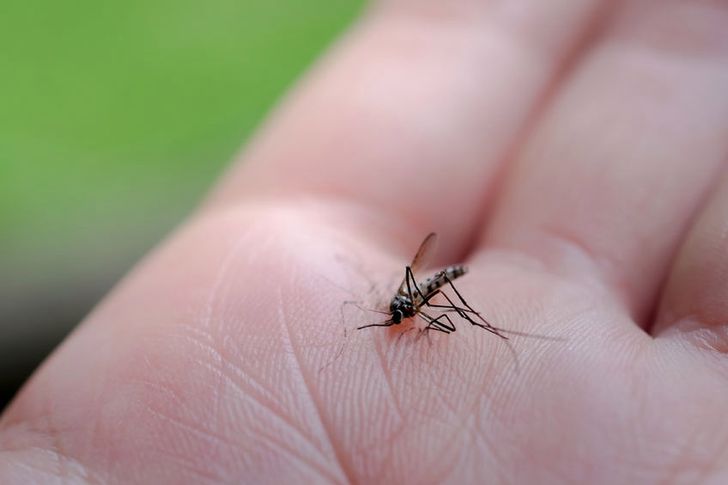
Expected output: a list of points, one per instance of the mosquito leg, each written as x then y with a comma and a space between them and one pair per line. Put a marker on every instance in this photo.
436, 324
462, 300
432, 326
489, 326
426, 298
432, 323
385, 324
411, 277
452, 307
463, 312
356, 304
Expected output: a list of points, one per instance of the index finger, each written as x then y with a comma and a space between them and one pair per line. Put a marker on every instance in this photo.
414, 111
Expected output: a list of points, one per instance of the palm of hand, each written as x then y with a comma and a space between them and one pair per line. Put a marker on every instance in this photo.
594, 155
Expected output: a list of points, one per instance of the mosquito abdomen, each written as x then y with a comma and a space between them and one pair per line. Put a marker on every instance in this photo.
457, 271
440, 278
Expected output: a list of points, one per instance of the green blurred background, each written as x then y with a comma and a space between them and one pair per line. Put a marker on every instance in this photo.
115, 117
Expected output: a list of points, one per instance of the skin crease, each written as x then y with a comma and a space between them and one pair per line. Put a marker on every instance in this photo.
571, 153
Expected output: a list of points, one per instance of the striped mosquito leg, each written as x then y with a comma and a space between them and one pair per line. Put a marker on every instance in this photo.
385, 324
488, 326
436, 324
451, 307
462, 312
411, 277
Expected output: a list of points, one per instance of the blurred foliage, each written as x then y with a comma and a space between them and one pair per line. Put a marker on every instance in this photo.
118, 108
115, 117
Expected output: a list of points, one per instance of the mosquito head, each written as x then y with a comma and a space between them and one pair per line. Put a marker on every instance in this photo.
400, 308
397, 316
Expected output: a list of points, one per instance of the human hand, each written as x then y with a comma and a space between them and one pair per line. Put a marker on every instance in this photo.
571, 152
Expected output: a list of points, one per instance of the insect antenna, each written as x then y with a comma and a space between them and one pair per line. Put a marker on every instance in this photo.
355, 303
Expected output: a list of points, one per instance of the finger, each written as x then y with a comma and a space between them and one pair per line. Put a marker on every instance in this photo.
696, 296
618, 165
414, 111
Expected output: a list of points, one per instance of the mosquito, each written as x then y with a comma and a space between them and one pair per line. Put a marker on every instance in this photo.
412, 297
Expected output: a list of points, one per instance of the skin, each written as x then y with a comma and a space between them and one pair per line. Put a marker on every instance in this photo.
572, 153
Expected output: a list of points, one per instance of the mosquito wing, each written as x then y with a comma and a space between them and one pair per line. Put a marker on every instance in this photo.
426, 250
